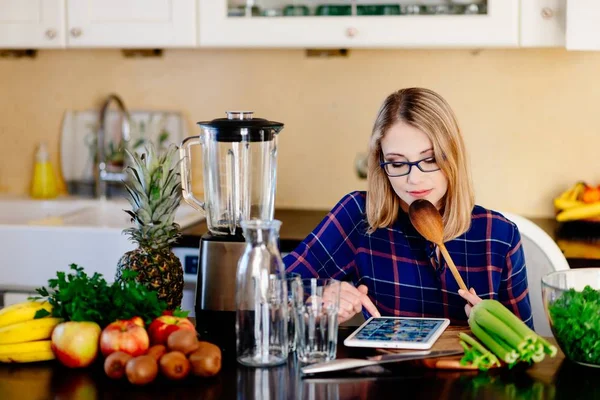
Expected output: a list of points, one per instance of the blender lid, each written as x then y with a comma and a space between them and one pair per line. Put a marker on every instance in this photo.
242, 126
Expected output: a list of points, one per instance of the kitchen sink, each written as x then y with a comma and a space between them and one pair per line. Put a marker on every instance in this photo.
39, 238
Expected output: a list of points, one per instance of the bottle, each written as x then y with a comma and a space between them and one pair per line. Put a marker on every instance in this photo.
261, 297
43, 185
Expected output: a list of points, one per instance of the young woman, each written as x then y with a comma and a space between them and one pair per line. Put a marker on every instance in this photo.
367, 240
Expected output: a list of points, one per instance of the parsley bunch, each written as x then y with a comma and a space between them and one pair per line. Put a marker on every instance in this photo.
78, 297
576, 322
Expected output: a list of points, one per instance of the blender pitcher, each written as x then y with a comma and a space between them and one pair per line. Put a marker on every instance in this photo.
239, 167
239, 160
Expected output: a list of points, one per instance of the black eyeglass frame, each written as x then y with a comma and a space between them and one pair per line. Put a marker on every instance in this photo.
410, 164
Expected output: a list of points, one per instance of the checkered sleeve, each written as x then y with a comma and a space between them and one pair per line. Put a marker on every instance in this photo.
513, 292
330, 250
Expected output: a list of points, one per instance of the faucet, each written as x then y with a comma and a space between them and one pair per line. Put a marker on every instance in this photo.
102, 174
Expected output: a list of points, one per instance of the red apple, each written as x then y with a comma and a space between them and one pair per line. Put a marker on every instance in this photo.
75, 344
128, 336
160, 329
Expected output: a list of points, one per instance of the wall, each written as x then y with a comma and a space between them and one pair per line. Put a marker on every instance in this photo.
529, 117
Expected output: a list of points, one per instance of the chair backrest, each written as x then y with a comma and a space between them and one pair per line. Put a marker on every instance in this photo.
542, 256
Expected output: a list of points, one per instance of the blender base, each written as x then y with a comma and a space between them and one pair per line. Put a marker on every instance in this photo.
215, 290
218, 327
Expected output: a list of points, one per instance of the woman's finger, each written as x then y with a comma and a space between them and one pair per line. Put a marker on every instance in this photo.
366, 301
351, 298
343, 316
468, 309
469, 296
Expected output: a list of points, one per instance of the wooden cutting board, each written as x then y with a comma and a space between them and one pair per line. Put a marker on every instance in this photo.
447, 341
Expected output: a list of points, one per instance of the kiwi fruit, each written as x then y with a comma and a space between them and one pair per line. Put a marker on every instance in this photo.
141, 370
114, 365
157, 351
174, 365
206, 360
183, 340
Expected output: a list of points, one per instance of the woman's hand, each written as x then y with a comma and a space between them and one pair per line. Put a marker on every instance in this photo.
352, 300
471, 297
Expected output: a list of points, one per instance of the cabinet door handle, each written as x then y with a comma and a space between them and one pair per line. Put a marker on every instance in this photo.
351, 32
547, 13
75, 32
50, 34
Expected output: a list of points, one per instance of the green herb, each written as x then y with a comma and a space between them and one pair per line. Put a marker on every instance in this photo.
78, 297
576, 322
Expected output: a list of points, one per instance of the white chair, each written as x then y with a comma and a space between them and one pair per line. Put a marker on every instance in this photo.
542, 256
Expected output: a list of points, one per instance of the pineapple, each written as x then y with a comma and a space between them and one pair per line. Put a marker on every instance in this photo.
154, 188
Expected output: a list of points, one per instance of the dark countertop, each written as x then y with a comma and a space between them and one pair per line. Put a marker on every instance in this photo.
579, 241
296, 224
551, 379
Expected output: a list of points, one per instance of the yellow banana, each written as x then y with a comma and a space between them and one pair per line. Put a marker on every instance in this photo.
22, 312
582, 212
577, 191
565, 204
25, 347
36, 329
566, 195
27, 357
40, 350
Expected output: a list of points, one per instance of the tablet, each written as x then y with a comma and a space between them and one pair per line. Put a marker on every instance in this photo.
398, 332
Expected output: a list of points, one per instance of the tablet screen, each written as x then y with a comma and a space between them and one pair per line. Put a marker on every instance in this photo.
394, 329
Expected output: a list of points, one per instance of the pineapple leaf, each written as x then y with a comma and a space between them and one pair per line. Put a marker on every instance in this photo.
132, 214
133, 198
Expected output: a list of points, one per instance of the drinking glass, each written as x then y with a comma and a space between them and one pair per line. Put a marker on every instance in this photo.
316, 303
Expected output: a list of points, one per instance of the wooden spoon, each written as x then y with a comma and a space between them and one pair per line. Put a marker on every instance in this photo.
428, 222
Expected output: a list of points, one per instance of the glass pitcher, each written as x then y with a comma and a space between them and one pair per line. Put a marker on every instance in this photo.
239, 156
261, 298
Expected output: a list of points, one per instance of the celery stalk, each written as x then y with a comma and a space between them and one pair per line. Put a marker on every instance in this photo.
549, 349
538, 354
491, 323
511, 320
501, 342
489, 358
496, 348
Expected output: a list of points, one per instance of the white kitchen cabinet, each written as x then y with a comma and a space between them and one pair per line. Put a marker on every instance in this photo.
543, 23
496, 25
131, 23
32, 24
583, 25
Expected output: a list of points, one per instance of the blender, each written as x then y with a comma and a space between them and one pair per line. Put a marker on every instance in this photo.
239, 160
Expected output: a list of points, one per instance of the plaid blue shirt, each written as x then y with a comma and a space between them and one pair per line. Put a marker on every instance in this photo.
401, 268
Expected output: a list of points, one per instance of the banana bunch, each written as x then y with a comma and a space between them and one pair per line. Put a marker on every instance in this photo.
570, 204
23, 338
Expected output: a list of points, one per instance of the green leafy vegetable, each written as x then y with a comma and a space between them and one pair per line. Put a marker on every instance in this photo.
78, 297
576, 322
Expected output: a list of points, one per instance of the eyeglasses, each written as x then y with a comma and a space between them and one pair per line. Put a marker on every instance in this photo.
402, 168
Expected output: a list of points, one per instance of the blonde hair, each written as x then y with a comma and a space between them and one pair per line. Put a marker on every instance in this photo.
430, 113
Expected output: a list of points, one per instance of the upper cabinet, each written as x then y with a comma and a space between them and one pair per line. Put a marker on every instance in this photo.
543, 23
131, 23
358, 23
32, 24
583, 26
